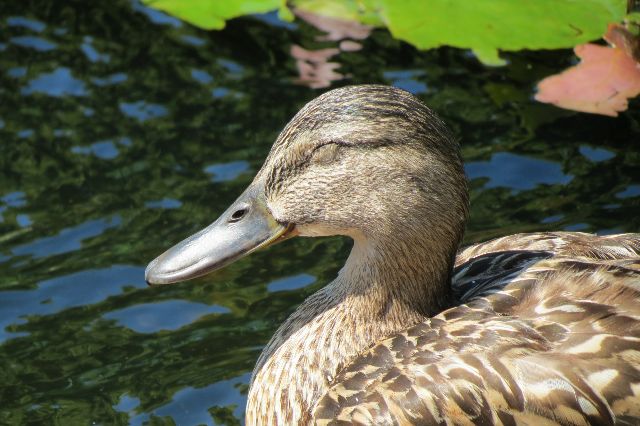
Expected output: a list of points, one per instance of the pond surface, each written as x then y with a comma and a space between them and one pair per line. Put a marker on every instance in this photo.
124, 130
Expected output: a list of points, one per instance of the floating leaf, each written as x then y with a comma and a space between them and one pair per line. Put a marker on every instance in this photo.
485, 26
488, 25
600, 83
212, 14
363, 11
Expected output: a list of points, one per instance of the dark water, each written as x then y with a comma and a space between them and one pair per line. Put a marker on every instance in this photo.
123, 131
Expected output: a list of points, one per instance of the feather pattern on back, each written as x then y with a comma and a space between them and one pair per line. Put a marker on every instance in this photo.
547, 332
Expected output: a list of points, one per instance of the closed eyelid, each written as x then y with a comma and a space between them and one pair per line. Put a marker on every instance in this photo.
325, 153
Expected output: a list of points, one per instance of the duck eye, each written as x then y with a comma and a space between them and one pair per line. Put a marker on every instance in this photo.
326, 154
237, 215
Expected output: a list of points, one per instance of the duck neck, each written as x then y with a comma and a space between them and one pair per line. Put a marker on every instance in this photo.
384, 287
403, 277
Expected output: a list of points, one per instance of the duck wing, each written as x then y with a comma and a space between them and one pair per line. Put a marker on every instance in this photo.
483, 268
549, 333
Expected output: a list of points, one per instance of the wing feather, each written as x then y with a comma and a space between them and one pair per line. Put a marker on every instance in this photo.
547, 332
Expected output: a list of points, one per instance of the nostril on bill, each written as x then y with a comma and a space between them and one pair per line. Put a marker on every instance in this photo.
238, 214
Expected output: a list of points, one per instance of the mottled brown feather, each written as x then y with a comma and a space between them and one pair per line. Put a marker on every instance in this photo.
554, 341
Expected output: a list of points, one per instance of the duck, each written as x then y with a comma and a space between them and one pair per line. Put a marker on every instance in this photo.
527, 329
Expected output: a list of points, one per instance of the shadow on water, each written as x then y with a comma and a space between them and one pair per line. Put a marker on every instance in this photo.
124, 130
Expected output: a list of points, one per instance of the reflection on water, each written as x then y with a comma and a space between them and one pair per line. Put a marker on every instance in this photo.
408, 80
29, 24
291, 283
227, 171
33, 42
516, 172
165, 203
90, 51
156, 16
65, 292
142, 111
125, 130
629, 192
66, 240
596, 154
186, 406
59, 82
166, 315
14, 199
201, 76
106, 150
116, 78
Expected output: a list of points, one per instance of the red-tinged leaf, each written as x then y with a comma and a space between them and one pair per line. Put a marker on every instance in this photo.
314, 67
601, 83
336, 29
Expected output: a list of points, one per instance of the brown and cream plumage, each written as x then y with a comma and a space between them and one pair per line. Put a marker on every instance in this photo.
527, 329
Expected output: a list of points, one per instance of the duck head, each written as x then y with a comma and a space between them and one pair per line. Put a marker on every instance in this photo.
369, 162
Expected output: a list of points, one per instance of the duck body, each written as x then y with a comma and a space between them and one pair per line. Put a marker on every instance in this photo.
547, 331
527, 329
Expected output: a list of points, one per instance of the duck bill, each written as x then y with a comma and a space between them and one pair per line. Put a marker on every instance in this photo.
245, 227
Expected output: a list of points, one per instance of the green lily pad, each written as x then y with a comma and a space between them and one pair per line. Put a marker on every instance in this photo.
363, 11
212, 14
485, 26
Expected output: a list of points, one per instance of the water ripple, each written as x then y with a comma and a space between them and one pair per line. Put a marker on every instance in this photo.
165, 203
33, 42
112, 79
596, 154
291, 283
67, 240
517, 172
630, 191
165, 315
186, 406
143, 111
56, 83
227, 171
156, 16
30, 24
64, 292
